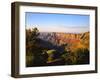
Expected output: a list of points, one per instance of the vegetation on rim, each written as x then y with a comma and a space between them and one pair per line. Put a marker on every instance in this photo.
53, 48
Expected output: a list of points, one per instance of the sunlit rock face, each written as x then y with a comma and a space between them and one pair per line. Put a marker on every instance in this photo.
65, 38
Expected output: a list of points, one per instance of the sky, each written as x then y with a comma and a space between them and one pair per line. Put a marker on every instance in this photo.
47, 22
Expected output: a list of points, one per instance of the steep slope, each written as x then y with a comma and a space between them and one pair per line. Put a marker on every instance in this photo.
64, 38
